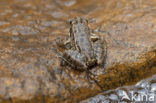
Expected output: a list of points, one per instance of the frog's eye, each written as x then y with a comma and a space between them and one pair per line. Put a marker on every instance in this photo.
86, 21
73, 22
70, 21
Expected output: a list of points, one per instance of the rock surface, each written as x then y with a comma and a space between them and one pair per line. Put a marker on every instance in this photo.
143, 92
29, 69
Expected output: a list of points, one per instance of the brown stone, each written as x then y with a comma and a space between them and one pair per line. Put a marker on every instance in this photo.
30, 70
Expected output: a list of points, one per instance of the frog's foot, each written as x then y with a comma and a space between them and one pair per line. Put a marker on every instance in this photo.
91, 63
94, 37
63, 62
63, 42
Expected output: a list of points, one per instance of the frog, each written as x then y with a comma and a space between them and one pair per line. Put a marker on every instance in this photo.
83, 48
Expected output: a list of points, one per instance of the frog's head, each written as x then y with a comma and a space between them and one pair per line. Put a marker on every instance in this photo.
78, 20
78, 24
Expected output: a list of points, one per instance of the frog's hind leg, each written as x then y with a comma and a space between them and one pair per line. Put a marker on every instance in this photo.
75, 59
100, 49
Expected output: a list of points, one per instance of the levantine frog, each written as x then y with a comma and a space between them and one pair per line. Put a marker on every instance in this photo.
83, 49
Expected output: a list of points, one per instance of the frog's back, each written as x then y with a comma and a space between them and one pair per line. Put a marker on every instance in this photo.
82, 39
81, 33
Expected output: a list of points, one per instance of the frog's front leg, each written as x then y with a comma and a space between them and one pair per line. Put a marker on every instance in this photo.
100, 48
63, 42
75, 59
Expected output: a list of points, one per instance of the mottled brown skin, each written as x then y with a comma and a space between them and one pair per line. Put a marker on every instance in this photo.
86, 49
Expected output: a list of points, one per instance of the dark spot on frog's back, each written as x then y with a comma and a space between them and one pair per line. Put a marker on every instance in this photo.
81, 39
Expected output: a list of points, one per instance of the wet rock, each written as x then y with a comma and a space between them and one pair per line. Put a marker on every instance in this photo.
58, 14
23, 30
30, 70
66, 3
3, 23
140, 92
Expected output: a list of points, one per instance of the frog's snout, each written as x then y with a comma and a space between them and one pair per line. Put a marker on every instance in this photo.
92, 62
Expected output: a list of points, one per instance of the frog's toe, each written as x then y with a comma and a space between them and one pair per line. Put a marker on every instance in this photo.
63, 63
91, 62
94, 37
